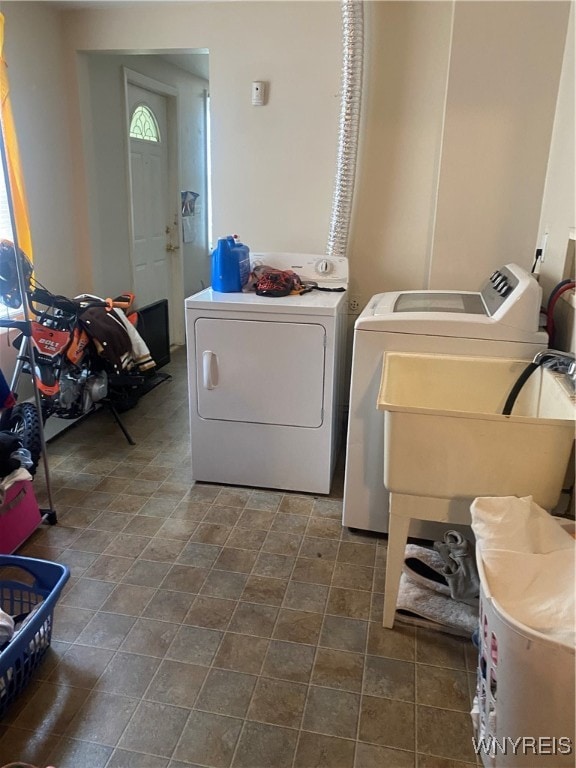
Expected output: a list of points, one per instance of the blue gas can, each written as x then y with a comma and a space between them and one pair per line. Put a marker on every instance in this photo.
230, 265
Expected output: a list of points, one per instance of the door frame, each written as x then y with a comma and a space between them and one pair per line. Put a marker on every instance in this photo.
176, 300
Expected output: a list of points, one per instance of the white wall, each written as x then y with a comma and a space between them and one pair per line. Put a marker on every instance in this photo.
406, 65
273, 166
505, 66
457, 119
34, 52
558, 216
458, 110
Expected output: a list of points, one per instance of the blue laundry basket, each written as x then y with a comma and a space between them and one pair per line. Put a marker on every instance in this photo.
27, 584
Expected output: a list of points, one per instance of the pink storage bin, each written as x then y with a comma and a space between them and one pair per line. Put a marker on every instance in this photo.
19, 516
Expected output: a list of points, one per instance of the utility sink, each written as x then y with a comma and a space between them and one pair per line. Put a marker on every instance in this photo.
445, 435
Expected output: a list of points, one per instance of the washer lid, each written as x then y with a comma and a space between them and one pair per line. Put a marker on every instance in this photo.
432, 301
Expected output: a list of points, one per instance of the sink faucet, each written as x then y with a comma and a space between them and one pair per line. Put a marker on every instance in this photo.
558, 360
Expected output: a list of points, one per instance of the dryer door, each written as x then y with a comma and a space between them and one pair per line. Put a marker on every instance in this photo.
263, 372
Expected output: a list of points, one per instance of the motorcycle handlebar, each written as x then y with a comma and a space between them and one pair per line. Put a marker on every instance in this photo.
43, 296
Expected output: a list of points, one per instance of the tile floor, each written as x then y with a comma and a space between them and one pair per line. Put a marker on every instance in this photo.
217, 626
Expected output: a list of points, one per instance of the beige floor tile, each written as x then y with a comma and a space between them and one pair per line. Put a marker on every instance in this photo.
194, 645
289, 661
352, 603
176, 682
102, 718
128, 674
81, 666
241, 653
128, 599
375, 756
246, 538
278, 702
253, 619
238, 560
298, 626
185, 578
210, 612
344, 634
263, 589
210, 625
338, 669
226, 692
357, 554
222, 515
316, 750
154, 729
88, 593
313, 548
440, 650
331, 712
390, 678
209, 739
444, 688
388, 722
295, 524
263, 746
397, 643
434, 724
123, 758
276, 566
306, 597
167, 605
281, 543
313, 571
149, 637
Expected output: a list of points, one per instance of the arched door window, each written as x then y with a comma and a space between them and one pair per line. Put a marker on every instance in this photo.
144, 125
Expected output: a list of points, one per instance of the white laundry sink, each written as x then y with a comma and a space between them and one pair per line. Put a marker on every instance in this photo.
444, 435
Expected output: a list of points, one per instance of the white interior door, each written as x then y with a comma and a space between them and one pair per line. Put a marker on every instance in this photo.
151, 215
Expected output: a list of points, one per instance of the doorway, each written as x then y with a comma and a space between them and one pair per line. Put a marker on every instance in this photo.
113, 160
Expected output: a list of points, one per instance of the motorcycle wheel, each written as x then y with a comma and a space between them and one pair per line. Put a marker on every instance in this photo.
25, 422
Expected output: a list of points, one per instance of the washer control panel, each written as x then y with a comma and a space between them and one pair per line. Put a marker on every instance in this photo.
505, 283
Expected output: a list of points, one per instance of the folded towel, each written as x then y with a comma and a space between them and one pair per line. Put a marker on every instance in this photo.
424, 566
421, 607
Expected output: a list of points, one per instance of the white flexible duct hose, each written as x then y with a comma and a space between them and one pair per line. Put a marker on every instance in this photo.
352, 63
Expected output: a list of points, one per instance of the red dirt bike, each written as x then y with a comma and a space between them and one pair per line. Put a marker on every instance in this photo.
69, 365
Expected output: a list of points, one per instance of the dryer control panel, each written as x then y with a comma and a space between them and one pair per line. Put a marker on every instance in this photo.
329, 272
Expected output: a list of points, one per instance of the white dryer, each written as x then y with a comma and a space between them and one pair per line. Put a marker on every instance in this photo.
501, 320
265, 379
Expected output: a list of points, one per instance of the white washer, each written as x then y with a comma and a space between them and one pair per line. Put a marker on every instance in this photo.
265, 379
502, 320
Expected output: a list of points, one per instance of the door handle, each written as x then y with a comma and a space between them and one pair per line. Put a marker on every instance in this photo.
209, 369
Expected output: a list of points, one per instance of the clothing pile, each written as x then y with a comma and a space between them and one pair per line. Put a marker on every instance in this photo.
440, 587
115, 338
268, 281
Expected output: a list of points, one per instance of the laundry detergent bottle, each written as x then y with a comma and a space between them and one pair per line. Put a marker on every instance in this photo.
230, 265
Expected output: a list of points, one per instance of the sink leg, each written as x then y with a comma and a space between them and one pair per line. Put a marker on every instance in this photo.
399, 525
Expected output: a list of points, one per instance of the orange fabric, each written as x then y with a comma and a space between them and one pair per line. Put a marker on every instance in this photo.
15, 176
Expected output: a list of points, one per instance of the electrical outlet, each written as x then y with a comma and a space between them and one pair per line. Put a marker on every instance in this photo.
354, 304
